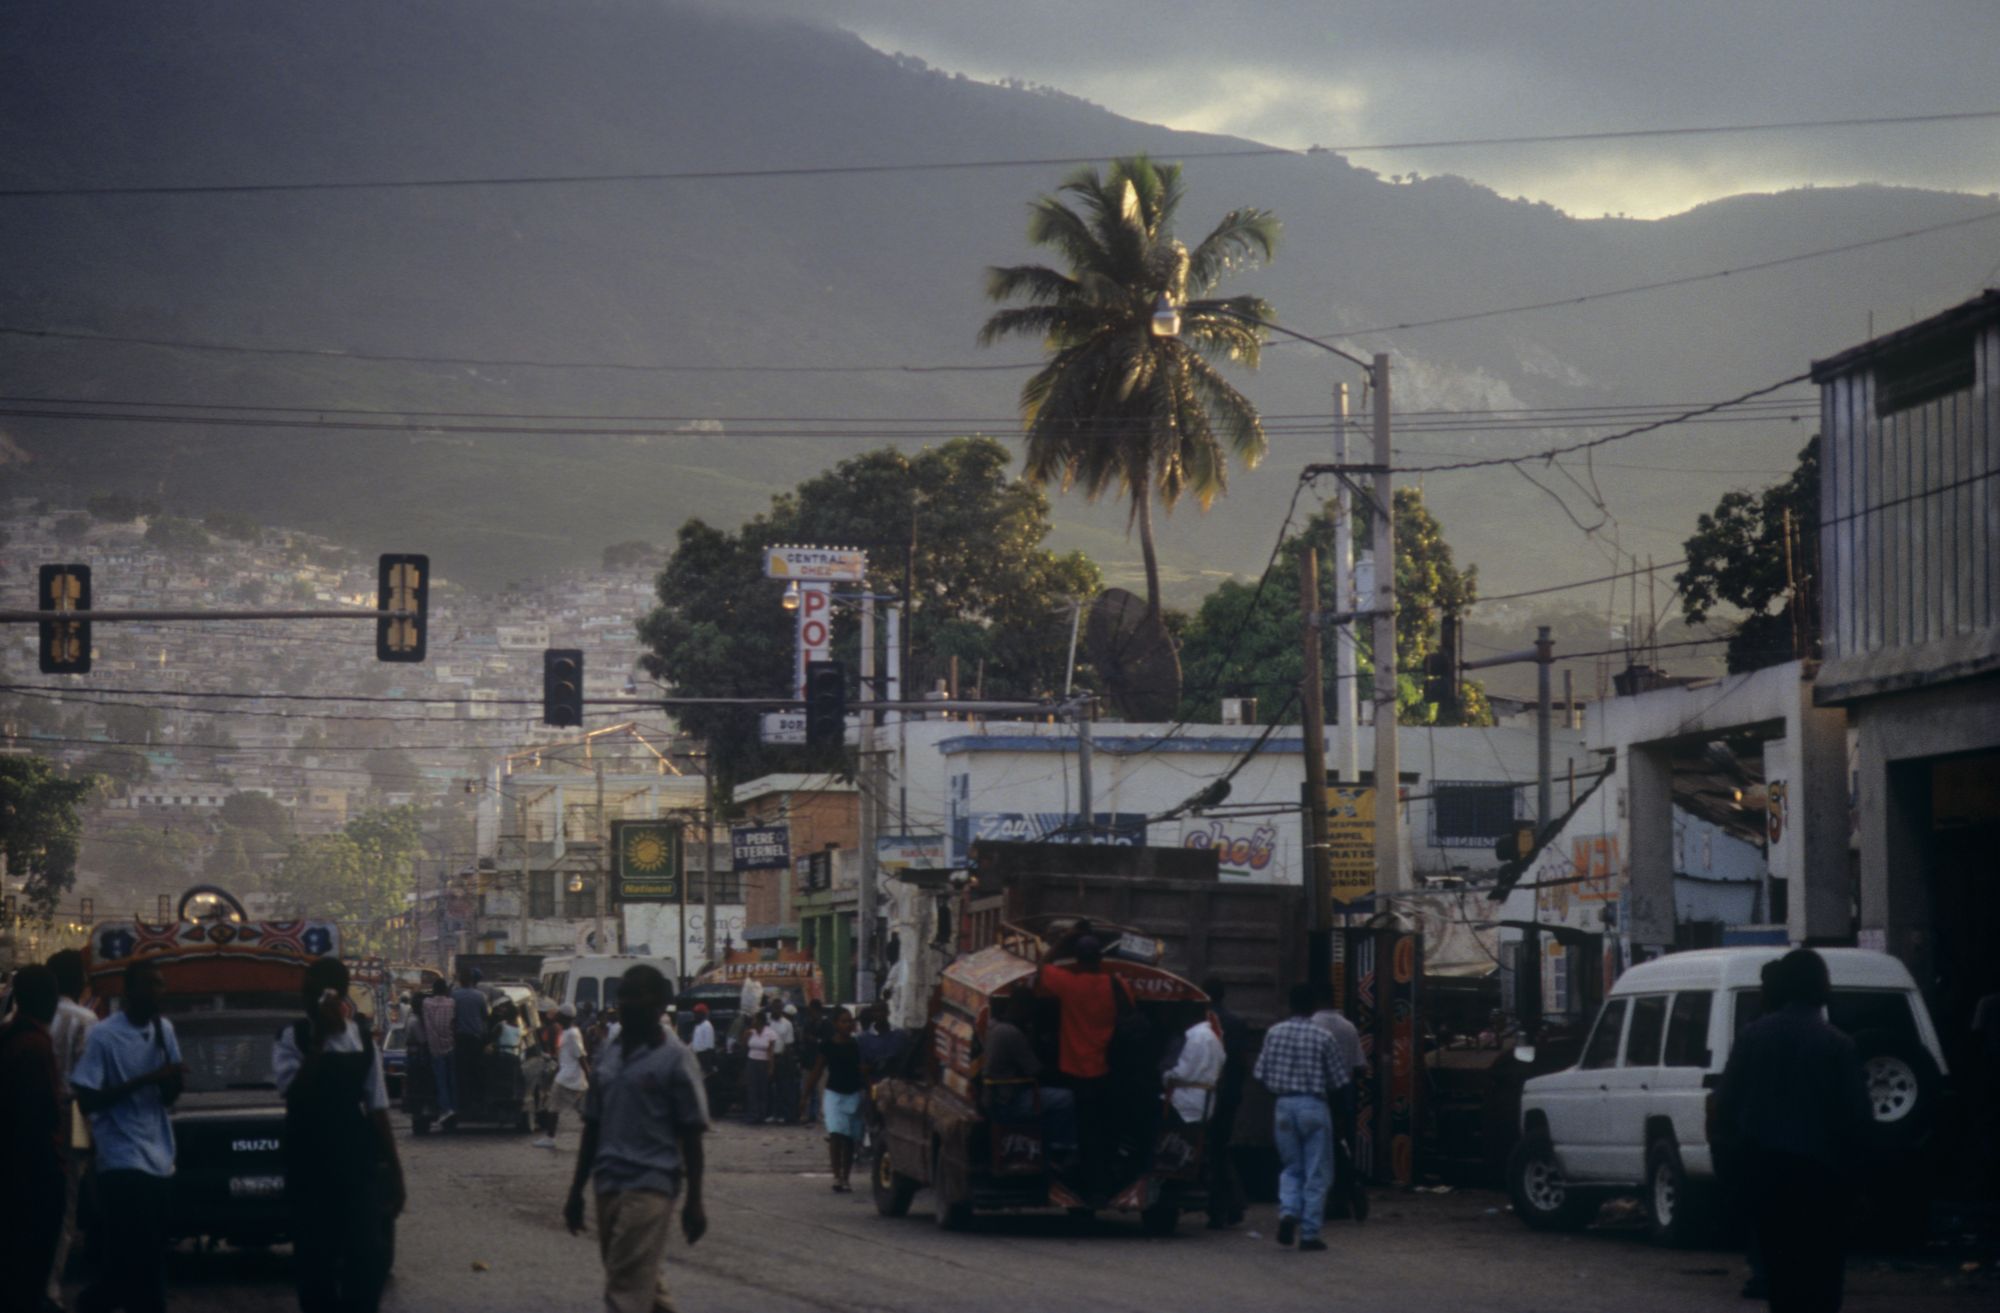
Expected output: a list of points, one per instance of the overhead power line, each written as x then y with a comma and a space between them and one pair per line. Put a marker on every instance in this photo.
953, 166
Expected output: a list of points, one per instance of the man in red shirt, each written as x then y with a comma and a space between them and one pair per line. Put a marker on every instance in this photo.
1091, 1000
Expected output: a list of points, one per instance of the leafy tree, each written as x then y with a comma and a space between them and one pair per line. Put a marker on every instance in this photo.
357, 876
40, 831
119, 766
72, 528
1116, 406
133, 724
1234, 649
229, 862
985, 586
171, 534
142, 861
1736, 558
256, 813
120, 507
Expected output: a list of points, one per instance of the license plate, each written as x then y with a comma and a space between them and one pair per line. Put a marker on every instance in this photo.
256, 1187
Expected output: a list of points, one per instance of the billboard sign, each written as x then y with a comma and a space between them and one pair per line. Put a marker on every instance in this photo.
1350, 841
911, 852
760, 847
646, 861
815, 624
838, 565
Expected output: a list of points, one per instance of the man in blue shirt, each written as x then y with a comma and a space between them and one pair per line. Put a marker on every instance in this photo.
1301, 1065
128, 1077
468, 1039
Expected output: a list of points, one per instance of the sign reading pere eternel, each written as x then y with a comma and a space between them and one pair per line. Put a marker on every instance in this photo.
761, 847
646, 861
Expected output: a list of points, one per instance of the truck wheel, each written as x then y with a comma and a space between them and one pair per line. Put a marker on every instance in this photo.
1678, 1207
893, 1190
1161, 1219
1542, 1196
952, 1214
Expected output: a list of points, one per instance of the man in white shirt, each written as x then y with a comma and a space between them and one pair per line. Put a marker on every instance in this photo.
69, 1033
1345, 1103
1191, 1080
572, 1076
702, 1041
343, 1179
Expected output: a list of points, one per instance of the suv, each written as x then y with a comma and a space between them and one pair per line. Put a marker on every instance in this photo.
1632, 1114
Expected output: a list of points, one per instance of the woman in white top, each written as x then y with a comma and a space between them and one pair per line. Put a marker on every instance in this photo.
758, 1045
572, 1076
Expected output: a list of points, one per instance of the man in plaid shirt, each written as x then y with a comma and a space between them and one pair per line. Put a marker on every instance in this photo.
1302, 1066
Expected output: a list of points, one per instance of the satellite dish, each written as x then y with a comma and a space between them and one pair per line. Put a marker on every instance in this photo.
1134, 656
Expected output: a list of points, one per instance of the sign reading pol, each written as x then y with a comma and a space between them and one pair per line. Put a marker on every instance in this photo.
646, 861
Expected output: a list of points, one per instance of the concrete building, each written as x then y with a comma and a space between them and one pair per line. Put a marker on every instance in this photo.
1909, 567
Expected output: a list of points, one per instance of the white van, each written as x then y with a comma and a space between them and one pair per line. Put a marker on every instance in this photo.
592, 981
1632, 1114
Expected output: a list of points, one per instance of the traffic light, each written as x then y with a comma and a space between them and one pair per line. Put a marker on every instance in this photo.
1441, 684
65, 643
826, 704
403, 584
562, 687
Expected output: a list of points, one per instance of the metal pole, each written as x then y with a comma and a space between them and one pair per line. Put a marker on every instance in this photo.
1346, 693
1388, 768
864, 905
708, 884
527, 868
1544, 782
1086, 809
603, 858
1312, 693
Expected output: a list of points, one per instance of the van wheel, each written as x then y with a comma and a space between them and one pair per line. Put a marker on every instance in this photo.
1542, 1195
1902, 1083
1680, 1217
893, 1191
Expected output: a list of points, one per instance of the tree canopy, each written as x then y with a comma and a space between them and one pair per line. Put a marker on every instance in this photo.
1118, 405
357, 876
40, 831
986, 590
1231, 648
1737, 558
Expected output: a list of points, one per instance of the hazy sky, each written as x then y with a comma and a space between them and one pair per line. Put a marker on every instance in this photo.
1300, 72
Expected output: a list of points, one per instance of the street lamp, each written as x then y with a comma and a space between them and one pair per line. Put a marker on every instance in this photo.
790, 601
1166, 317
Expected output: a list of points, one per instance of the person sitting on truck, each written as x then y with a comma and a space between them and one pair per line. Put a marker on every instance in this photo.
1012, 1073
343, 1179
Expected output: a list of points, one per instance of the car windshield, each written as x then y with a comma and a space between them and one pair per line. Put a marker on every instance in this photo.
228, 1053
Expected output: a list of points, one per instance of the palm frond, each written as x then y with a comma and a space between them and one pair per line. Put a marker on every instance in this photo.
1242, 238
1037, 282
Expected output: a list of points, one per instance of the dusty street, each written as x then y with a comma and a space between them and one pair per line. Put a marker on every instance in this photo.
483, 1233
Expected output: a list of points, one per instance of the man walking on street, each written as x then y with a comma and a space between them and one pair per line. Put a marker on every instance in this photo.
642, 1129
702, 1042
69, 1033
572, 1078
1794, 1113
130, 1074
1346, 1102
437, 1013
468, 1036
1225, 1190
343, 1179
32, 1128
1300, 1066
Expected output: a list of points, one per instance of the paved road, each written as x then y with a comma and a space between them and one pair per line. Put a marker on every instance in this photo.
483, 1233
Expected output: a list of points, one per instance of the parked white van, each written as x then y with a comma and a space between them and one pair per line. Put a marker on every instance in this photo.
592, 981
1632, 1114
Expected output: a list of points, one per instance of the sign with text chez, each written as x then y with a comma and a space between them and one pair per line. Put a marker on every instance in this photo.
760, 847
646, 861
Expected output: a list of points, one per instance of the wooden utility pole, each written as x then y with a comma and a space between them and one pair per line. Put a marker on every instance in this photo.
1312, 694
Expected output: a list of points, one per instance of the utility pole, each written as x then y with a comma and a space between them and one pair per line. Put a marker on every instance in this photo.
1388, 767
527, 867
603, 857
708, 881
1346, 693
1544, 780
1312, 694
864, 907
1086, 804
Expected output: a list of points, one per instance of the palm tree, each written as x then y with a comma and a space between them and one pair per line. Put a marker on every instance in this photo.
1115, 404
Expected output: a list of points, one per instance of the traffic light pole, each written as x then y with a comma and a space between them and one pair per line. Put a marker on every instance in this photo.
18, 617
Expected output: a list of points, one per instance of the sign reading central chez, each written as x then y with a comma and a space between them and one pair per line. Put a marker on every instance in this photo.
646, 861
